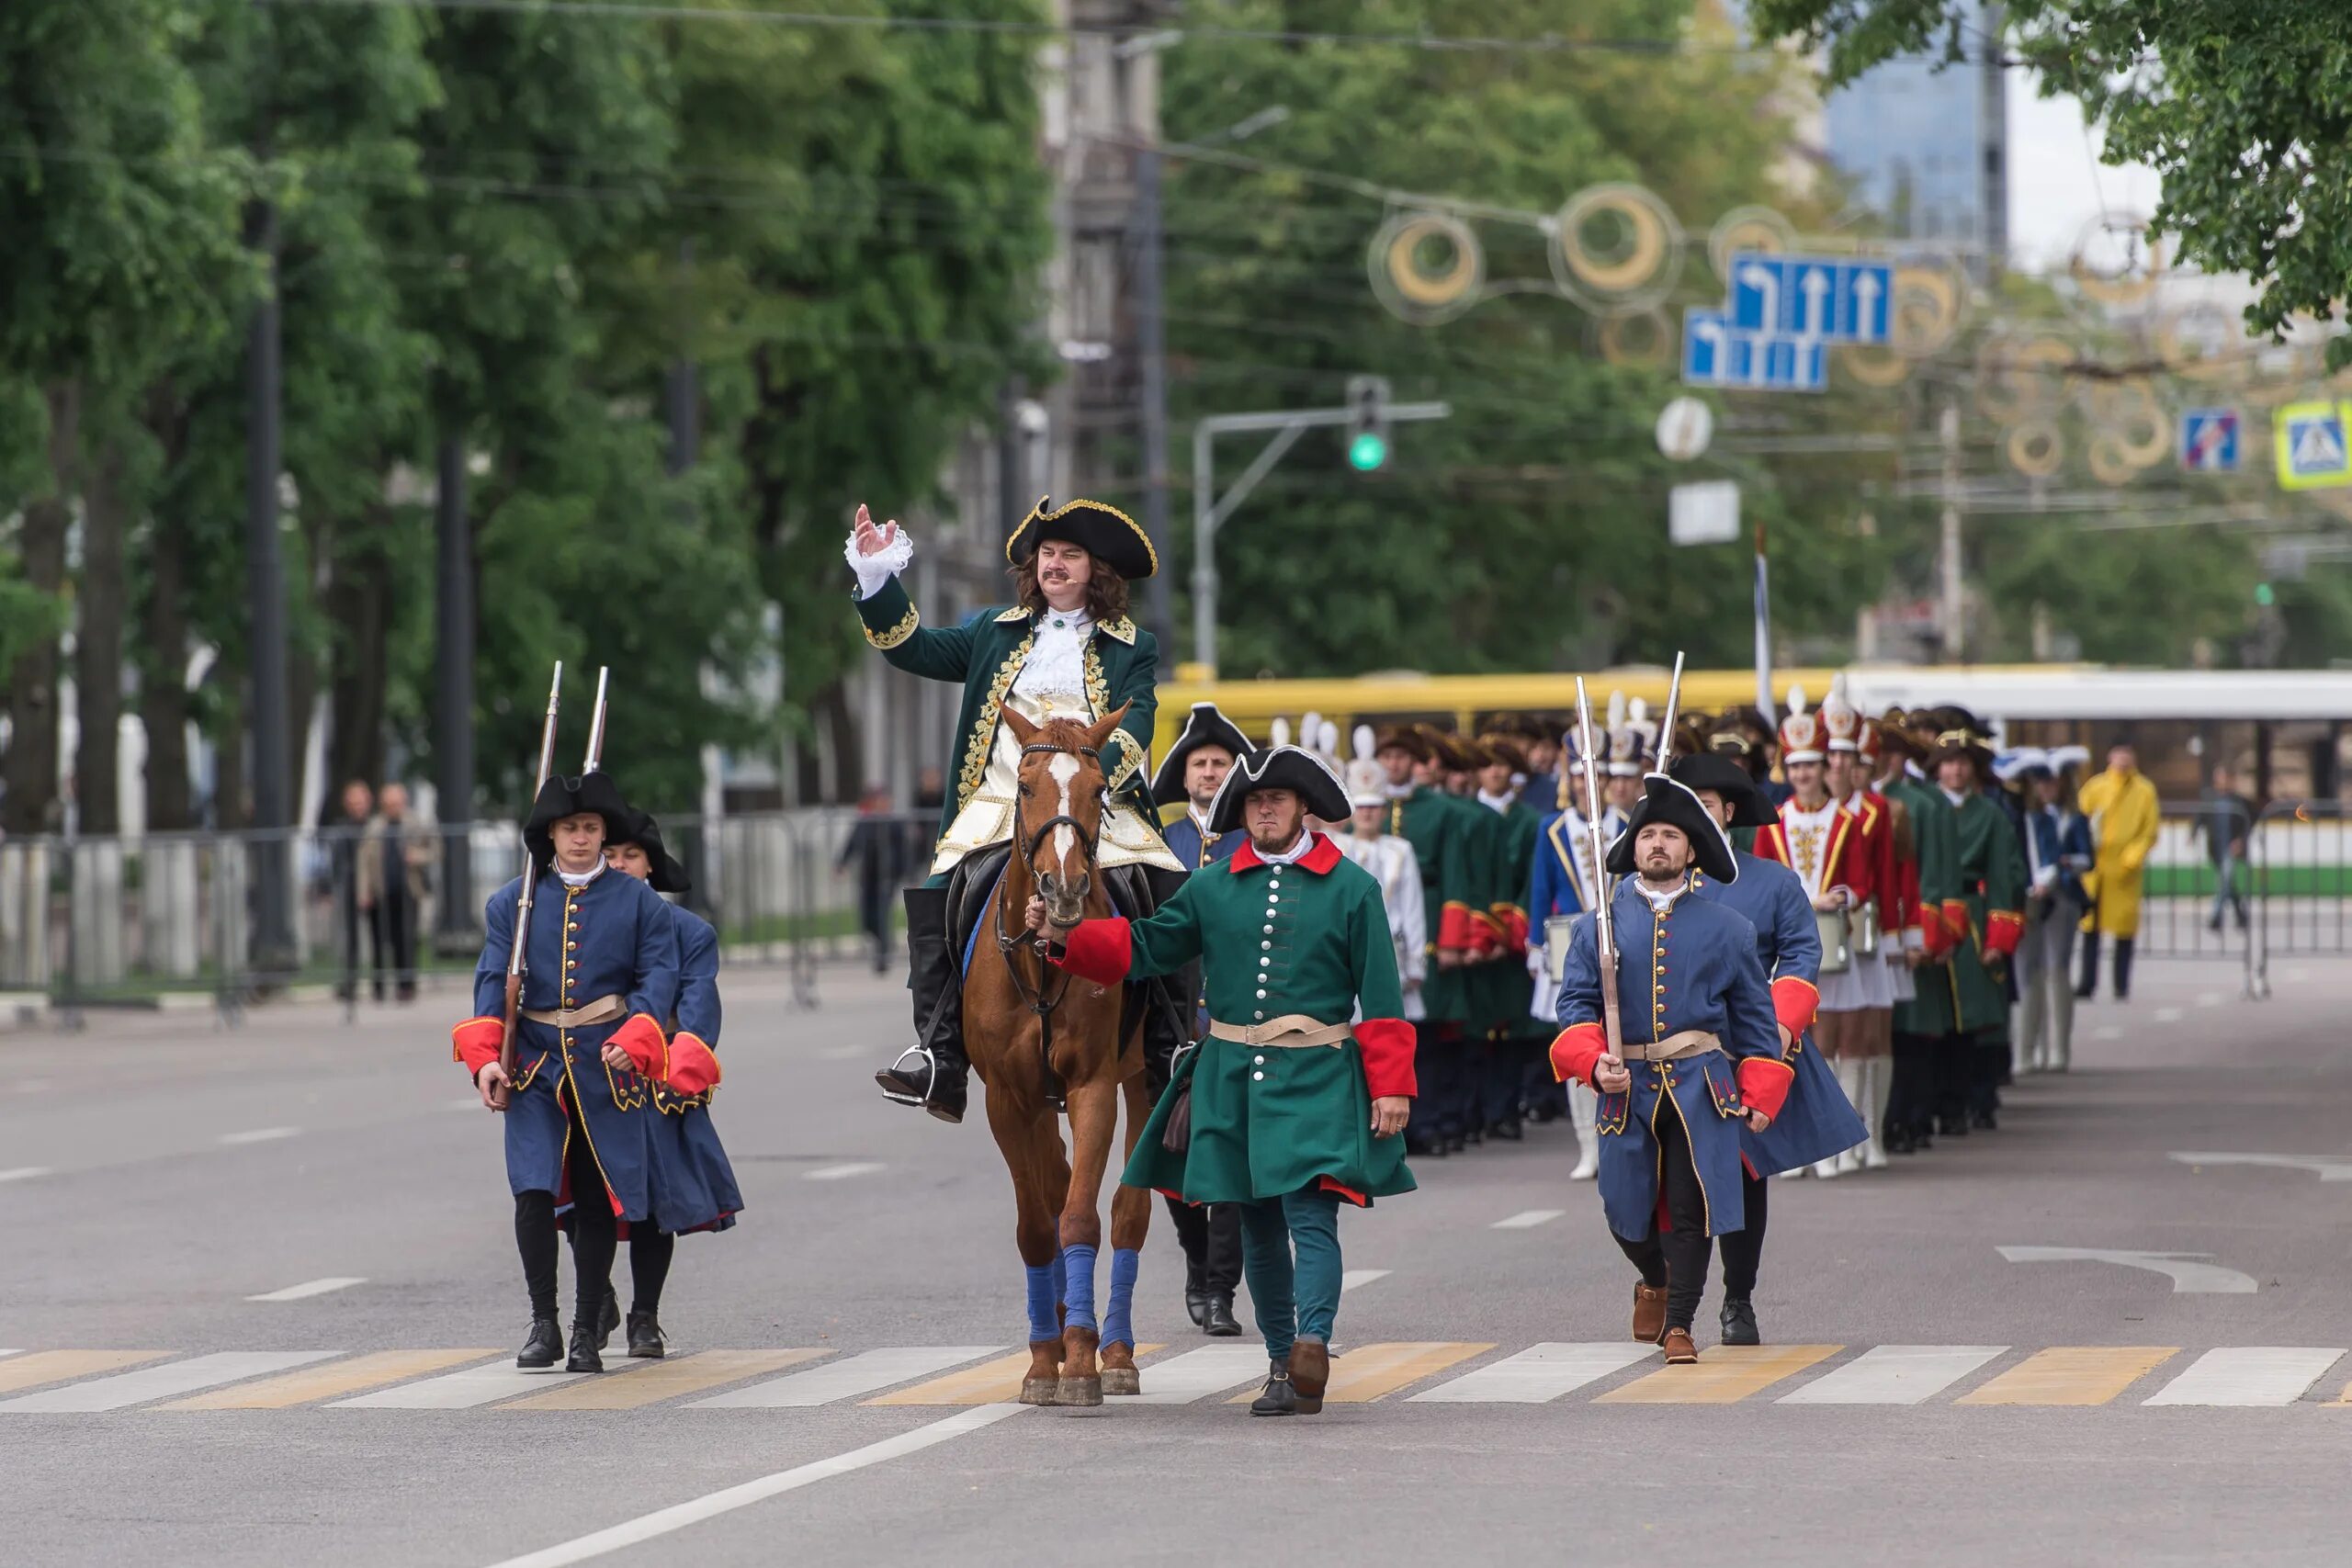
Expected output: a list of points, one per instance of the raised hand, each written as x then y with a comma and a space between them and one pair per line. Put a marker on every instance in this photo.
873, 541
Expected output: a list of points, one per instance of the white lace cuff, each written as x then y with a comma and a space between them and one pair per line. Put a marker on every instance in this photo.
873, 571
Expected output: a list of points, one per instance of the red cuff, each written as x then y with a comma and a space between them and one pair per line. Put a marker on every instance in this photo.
1454, 927
1102, 950
2002, 929
1576, 1048
1513, 922
649, 1053
1955, 913
1388, 1047
475, 1042
1764, 1083
1486, 934
693, 1068
1794, 1002
1936, 935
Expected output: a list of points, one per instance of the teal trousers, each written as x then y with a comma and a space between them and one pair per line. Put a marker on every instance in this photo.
1296, 1297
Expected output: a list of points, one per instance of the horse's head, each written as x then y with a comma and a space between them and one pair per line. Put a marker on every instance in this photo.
1060, 816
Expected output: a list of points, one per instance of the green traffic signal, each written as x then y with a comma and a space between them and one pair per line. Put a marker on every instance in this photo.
2263, 596
1368, 451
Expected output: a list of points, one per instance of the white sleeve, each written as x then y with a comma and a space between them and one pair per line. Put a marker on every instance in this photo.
1415, 932
873, 571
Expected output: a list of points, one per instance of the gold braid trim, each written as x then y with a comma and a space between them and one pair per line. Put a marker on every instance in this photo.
1098, 697
896, 635
1131, 757
983, 736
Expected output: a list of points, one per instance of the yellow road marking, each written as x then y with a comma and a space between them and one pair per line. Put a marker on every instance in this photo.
991, 1383
356, 1375
1725, 1374
664, 1379
1369, 1371
57, 1365
2072, 1374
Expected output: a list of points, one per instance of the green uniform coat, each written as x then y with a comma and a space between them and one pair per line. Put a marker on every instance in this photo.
1934, 840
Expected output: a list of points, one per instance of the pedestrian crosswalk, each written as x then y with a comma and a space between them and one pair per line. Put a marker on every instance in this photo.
65, 1381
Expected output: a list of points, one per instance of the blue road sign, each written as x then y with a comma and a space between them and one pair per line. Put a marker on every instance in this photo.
2209, 441
1818, 297
1717, 354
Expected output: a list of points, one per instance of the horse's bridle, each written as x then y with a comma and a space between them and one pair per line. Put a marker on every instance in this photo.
1040, 1000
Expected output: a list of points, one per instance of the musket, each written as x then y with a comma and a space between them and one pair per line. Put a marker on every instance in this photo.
514, 966
1673, 703
596, 727
1604, 929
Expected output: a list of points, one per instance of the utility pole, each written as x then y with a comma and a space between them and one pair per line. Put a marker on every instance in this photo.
453, 688
1949, 557
1152, 348
273, 949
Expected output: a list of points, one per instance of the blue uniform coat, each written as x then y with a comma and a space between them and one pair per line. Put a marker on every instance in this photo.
692, 1174
1817, 1121
1691, 965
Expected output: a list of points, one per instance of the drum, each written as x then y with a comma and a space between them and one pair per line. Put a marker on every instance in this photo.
1559, 931
1866, 929
1836, 950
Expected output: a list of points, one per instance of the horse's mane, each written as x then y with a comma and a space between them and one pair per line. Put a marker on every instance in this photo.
1063, 734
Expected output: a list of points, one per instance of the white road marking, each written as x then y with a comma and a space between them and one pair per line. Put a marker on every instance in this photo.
1354, 1276
261, 1135
2106, 1032
840, 1172
162, 1382
473, 1386
312, 1288
1527, 1220
1197, 1374
2327, 1167
2209, 999
869, 1371
2189, 1277
1895, 1374
2262, 1374
1537, 1375
26, 1172
2169, 1015
661, 1521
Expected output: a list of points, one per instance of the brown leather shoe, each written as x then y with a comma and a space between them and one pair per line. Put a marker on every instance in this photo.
1310, 1374
1680, 1352
1649, 1313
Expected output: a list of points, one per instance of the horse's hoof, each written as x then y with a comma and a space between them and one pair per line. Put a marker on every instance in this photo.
1117, 1380
1079, 1391
1041, 1391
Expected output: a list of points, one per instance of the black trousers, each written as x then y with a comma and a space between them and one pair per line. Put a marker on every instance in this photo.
595, 1230
1676, 1258
1742, 1249
392, 935
1210, 1234
1442, 1064
1911, 1096
1956, 1074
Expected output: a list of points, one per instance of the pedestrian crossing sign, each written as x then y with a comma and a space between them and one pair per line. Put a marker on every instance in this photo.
2313, 454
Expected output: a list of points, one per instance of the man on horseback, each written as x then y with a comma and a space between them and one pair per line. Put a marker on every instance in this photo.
1287, 1107
1066, 650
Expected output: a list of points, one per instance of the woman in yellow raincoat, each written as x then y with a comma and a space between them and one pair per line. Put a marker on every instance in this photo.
2122, 805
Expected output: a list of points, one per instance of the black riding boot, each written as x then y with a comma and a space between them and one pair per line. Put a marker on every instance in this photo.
2122, 968
2089, 985
932, 1074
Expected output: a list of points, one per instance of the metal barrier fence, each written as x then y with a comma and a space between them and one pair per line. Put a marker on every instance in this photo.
2226, 882
111, 922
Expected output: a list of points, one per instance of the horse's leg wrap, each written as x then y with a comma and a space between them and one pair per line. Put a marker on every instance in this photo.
1044, 1299
1118, 1326
1078, 1291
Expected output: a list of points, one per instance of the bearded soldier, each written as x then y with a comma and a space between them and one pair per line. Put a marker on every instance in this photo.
1066, 651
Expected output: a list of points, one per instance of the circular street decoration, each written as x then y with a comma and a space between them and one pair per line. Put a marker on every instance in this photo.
1747, 228
1879, 367
2203, 341
2037, 449
1427, 266
1645, 337
2111, 464
2020, 378
1616, 249
1926, 308
2135, 271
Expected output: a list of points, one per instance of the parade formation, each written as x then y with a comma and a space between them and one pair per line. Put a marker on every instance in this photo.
1254, 979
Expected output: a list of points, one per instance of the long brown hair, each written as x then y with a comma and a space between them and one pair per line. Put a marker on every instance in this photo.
1106, 591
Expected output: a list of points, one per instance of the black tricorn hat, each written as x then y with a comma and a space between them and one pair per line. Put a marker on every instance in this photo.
1204, 726
1107, 534
560, 797
1957, 734
643, 830
1710, 770
1280, 767
1663, 800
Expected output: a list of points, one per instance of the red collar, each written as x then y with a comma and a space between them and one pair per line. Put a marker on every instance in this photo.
1320, 859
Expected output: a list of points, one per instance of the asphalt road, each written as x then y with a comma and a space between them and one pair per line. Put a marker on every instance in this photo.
157, 1172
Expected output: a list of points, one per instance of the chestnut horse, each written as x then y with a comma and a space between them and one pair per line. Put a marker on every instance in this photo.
1032, 1029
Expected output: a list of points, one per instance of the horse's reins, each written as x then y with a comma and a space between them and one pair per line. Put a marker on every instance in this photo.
1048, 995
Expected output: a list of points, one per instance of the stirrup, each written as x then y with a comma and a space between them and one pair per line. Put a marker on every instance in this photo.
930, 1082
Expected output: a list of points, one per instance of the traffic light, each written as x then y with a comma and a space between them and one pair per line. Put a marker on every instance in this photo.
2264, 596
1367, 423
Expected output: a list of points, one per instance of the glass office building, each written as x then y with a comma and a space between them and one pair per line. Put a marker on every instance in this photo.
1927, 149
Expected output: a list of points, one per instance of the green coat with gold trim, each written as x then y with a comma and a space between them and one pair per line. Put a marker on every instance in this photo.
986, 652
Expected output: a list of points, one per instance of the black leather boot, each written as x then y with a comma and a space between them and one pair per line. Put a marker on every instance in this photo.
610, 1320
542, 1345
584, 1357
1279, 1399
931, 1073
1196, 1293
1220, 1322
1739, 1321
2087, 986
2123, 968
645, 1335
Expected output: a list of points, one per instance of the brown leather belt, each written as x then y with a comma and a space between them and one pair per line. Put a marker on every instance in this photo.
1291, 1029
604, 1009
1674, 1048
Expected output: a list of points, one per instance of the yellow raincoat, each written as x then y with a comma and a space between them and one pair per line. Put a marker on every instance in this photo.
2125, 816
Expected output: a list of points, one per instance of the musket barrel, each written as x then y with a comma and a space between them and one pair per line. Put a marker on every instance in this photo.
597, 725
1673, 705
523, 899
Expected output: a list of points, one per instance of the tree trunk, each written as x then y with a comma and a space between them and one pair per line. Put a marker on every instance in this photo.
358, 601
97, 643
163, 686
29, 769
233, 806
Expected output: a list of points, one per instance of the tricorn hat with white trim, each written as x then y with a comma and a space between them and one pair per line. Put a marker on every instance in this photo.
1280, 767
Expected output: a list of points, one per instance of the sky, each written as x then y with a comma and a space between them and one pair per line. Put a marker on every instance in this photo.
2056, 184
